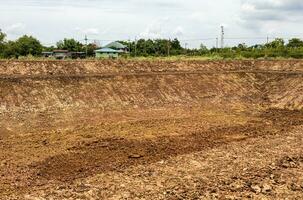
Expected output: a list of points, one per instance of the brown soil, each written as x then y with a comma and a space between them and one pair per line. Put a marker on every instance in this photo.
151, 130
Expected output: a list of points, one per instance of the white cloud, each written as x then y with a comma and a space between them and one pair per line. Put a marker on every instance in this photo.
179, 31
15, 29
267, 12
53, 20
155, 29
271, 17
91, 31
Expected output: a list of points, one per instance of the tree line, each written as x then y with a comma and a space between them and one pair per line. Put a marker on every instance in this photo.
28, 45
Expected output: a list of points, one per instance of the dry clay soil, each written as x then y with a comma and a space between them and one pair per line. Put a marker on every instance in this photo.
151, 130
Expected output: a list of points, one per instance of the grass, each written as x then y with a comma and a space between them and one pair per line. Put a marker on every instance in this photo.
153, 58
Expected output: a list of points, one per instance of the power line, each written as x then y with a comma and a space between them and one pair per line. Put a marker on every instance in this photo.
196, 39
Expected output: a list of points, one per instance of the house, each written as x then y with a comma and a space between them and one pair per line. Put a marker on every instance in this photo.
117, 46
47, 54
108, 53
112, 50
63, 54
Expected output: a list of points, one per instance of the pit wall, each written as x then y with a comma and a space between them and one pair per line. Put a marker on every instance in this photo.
9, 68
39, 86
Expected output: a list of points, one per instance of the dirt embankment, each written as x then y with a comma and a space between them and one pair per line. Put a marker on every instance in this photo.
124, 66
120, 85
151, 130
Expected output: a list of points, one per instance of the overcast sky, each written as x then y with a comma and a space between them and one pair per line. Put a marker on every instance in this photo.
189, 20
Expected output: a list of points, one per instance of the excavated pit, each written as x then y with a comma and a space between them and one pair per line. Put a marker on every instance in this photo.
105, 125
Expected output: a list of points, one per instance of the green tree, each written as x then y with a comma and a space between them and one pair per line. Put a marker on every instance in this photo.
157, 47
295, 43
27, 45
162, 46
276, 44
11, 50
49, 49
2, 36
2, 43
91, 49
70, 45
150, 47
175, 44
242, 47
203, 49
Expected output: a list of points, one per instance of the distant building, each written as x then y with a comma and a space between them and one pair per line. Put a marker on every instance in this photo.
108, 53
63, 54
112, 50
117, 46
47, 54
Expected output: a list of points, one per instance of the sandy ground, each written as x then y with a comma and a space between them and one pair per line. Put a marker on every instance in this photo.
187, 154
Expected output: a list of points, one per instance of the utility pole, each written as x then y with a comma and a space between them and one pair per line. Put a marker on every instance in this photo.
130, 46
168, 47
86, 45
185, 49
267, 40
222, 37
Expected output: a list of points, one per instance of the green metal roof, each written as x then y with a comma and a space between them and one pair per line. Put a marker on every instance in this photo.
116, 45
108, 50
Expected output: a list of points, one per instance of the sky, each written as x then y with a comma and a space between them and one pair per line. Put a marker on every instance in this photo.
191, 21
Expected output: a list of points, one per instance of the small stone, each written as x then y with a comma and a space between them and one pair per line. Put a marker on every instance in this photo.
266, 188
3, 163
230, 197
273, 167
104, 145
135, 156
161, 162
45, 142
256, 189
285, 165
295, 187
292, 164
236, 186
61, 187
